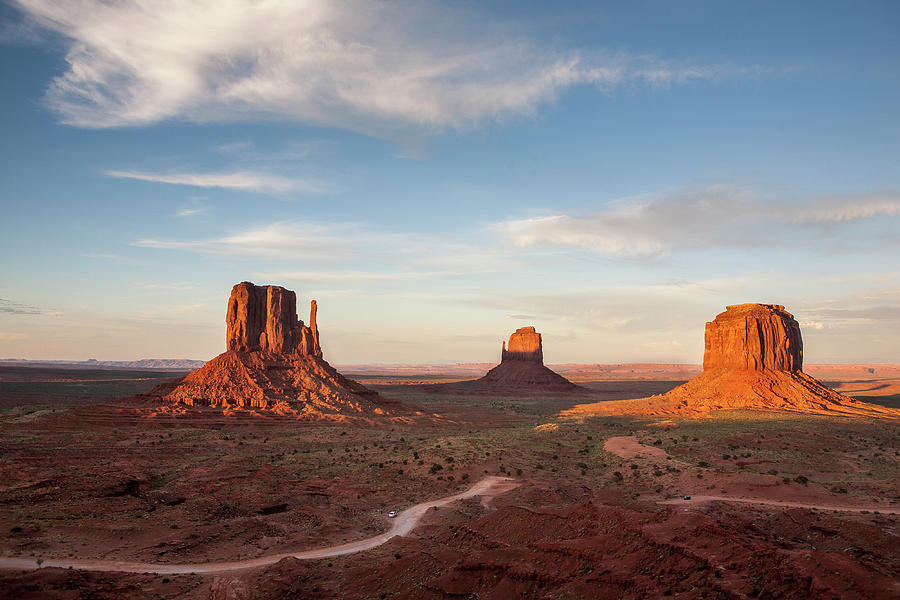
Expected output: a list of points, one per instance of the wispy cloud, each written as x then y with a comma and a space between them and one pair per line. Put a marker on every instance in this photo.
375, 67
717, 216
290, 240
11, 307
241, 180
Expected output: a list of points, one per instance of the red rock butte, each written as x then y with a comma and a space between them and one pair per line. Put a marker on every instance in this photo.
273, 363
753, 360
521, 372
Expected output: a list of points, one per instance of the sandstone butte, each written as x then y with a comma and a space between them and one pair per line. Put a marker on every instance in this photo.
521, 372
753, 360
273, 364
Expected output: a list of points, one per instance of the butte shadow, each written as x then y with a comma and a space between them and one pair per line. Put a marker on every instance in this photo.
521, 372
273, 364
753, 361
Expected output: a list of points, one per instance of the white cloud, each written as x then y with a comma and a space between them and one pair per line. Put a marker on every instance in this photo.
241, 180
717, 216
375, 67
9, 336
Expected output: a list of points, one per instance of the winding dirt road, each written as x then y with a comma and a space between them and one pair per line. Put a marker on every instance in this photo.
629, 447
404, 523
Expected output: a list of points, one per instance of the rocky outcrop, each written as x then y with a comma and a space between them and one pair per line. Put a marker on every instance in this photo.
525, 344
264, 318
754, 337
521, 372
273, 362
753, 360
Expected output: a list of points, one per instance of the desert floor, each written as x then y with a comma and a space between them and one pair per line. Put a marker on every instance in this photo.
781, 506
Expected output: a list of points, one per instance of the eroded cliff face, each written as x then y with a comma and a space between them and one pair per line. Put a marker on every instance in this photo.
525, 344
754, 337
264, 318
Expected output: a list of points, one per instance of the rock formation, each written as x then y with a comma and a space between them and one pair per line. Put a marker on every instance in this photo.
755, 337
524, 344
273, 362
521, 372
753, 360
264, 318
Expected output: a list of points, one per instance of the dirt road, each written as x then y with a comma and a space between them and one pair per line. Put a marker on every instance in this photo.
402, 525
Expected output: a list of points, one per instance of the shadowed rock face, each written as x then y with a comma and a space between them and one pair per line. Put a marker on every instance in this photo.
754, 337
264, 318
524, 344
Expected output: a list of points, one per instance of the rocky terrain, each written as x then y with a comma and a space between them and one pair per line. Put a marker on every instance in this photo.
753, 359
521, 371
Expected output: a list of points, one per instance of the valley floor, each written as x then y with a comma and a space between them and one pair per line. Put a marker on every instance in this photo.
593, 517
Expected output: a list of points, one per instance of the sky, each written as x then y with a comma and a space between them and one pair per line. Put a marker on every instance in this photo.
436, 175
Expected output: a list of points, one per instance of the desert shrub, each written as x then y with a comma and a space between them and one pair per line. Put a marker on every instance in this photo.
435, 468
618, 476
801, 479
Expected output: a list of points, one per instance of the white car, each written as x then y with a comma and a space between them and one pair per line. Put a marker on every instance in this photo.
392, 514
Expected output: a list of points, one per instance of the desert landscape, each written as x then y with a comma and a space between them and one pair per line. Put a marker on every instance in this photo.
267, 474
424, 300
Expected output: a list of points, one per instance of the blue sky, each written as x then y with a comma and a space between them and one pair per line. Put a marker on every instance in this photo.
438, 174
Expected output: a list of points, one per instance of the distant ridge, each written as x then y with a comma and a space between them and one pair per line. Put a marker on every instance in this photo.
572, 371
163, 364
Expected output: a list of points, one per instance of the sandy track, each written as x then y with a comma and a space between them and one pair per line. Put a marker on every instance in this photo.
402, 525
629, 447
885, 510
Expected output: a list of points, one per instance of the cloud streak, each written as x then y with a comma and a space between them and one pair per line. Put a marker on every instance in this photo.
718, 216
380, 68
244, 181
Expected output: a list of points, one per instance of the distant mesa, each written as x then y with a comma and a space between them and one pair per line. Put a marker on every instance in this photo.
753, 360
273, 363
521, 372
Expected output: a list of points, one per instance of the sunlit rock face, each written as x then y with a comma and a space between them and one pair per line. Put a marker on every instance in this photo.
753, 361
264, 318
754, 337
524, 344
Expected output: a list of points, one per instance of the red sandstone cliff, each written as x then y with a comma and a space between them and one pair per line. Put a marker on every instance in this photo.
755, 337
525, 344
753, 360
